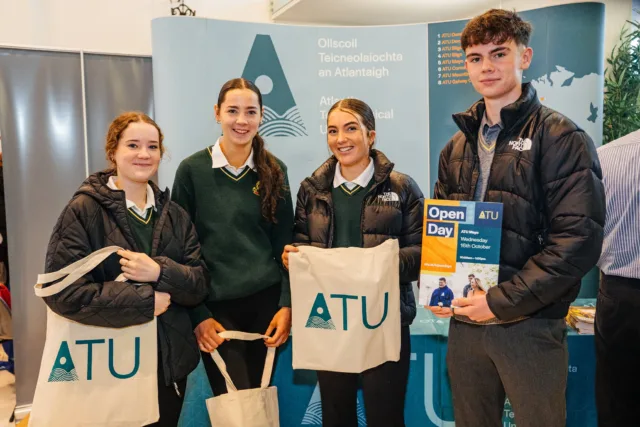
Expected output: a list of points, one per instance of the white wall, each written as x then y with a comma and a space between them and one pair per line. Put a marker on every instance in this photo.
617, 12
113, 26
124, 26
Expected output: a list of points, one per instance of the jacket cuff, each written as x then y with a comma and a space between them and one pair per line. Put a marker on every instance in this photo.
157, 282
199, 314
500, 305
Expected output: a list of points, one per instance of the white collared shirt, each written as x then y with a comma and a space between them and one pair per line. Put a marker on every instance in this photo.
219, 160
362, 180
151, 199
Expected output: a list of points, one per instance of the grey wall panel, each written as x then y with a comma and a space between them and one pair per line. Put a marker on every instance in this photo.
113, 85
44, 163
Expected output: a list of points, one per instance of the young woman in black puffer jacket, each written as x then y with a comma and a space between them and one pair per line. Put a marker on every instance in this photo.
356, 199
122, 207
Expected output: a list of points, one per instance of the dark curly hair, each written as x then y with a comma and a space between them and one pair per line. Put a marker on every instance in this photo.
496, 26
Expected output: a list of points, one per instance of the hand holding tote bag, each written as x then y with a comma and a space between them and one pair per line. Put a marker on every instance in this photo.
346, 307
245, 408
90, 375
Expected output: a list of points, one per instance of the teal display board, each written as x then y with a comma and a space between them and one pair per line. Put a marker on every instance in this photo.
301, 71
428, 397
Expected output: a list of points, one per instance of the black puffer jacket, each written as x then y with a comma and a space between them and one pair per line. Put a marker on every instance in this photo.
97, 217
546, 173
383, 218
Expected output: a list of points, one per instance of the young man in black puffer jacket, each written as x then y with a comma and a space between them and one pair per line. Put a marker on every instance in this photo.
545, 171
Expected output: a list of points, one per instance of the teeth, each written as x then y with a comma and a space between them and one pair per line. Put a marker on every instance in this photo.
241, 131
345, 149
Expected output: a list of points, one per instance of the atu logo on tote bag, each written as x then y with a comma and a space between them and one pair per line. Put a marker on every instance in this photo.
90, 375
346, 307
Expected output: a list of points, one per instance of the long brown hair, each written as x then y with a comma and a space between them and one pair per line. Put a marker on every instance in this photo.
118, 126
269, 172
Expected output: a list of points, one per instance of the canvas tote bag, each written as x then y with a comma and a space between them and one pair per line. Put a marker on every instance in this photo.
346, 307
94, 376
256, 407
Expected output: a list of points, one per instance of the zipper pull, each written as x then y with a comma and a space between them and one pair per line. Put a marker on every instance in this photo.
541, 240
175, 385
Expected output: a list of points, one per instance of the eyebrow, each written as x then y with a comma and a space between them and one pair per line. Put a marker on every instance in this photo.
138, 141
499, 49
496, 50
345, 125
248, 108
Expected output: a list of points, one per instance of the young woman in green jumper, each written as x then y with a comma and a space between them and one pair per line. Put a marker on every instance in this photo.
356, 199
237, 194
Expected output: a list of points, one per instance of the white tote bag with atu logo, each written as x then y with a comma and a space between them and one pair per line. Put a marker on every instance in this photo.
94, 376
346, 307
257, 407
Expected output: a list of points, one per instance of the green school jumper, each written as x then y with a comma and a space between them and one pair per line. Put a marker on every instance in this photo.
241, 248
347, 207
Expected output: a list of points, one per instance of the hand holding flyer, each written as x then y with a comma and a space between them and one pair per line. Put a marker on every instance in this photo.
460, 258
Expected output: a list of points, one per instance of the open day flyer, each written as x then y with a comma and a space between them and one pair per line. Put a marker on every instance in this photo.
460, 250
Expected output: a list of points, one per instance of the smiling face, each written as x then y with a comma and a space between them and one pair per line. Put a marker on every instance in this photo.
348, 138
239, 115
495, 70
138, 153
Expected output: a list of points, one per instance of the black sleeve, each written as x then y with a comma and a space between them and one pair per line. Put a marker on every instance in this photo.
441, 188
411, 235
300, 225
187, 281
575, 208
109, 304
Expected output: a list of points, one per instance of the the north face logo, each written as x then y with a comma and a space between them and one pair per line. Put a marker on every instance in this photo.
389, 197
521, 144
281, 114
